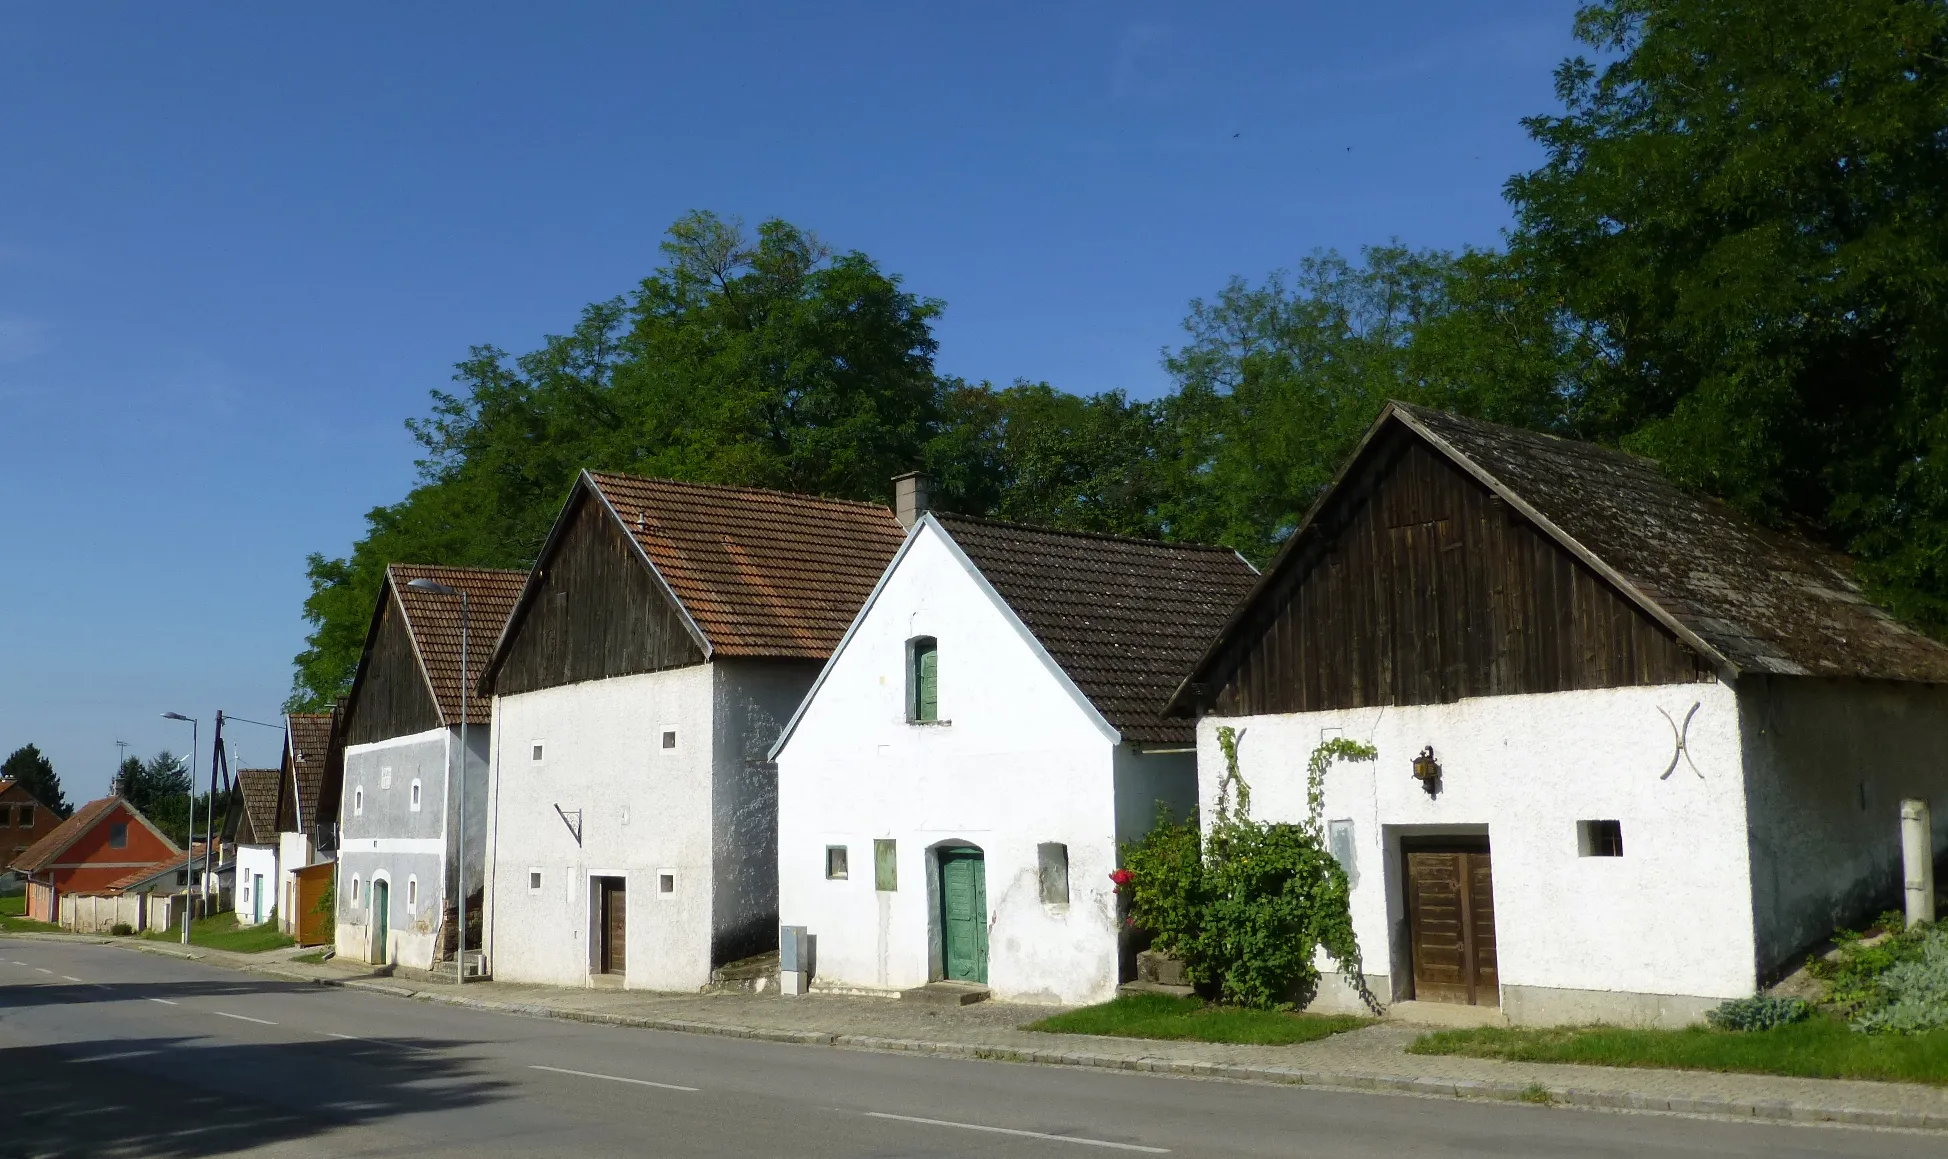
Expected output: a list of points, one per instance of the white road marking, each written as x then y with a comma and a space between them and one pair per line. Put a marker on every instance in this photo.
1025, 1134
242, 1018
43, 970
71, 977
164, 1001
612, 1078
114, 1057
379, 1042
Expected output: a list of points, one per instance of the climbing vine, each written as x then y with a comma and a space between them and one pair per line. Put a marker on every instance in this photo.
1248, 905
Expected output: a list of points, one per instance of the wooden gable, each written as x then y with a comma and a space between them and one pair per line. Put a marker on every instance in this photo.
1416, 584
594, 609
390, 697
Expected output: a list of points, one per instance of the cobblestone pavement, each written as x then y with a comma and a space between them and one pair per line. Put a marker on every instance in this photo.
1371, 1058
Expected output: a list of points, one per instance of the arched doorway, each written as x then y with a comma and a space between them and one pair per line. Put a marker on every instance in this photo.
963, 913
381, 918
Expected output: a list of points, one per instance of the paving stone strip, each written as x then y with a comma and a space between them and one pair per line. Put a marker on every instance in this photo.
1370, 1059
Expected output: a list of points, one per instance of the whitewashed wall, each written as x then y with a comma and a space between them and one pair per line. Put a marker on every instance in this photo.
253, 860
1016, 760
1654, 936
382, 837
644, 812
1829, 762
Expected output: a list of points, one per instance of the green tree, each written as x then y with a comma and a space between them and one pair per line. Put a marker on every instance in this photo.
768, 362
35, 773
1742, 212
158, 788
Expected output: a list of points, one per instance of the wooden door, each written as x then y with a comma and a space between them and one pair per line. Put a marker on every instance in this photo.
963, 915
1451, 918
615, 929
381, 918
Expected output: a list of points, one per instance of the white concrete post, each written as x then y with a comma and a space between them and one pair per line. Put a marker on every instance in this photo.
1917, 860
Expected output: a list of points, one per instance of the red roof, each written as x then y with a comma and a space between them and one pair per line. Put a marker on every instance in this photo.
433, 621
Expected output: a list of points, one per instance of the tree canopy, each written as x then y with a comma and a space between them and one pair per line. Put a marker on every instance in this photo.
1729, 259
35, 773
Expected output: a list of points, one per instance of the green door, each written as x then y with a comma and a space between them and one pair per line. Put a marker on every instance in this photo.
381, 918
963, 915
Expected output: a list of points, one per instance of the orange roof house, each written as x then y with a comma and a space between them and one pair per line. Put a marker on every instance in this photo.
90, 852
23, 820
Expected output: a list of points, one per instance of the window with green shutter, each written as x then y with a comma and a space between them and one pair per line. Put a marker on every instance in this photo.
886, 866
923, 679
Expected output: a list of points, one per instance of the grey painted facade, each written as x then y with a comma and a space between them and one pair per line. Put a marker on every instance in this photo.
413, 847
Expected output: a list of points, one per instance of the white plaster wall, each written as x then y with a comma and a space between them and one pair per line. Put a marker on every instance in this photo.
251, 860
1020, 763
1829, 762
293, 853
1672, 916
644, 812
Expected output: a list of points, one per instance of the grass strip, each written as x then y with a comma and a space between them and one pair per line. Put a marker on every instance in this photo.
221, 932
1194, 1020
1821, 1047
13, 907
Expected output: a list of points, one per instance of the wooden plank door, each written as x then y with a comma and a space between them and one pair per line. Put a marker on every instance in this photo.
963, 915
1451, 919
615, 927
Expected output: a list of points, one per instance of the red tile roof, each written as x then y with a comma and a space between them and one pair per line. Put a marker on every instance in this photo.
258, 787
434, 623
44, 852
310, 747
761, 573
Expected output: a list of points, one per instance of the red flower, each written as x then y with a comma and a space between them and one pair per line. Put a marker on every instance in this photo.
1121, 877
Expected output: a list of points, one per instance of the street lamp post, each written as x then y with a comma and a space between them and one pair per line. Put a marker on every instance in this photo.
433, 587
193, 741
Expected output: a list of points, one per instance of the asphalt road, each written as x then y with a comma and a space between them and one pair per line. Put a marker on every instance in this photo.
107, 1052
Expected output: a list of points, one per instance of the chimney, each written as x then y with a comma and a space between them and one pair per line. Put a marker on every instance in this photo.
912, 496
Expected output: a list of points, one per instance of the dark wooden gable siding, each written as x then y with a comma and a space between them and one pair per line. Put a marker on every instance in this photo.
392, 697
1420, 586
598, 612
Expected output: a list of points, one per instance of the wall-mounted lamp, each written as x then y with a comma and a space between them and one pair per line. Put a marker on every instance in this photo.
1427, 771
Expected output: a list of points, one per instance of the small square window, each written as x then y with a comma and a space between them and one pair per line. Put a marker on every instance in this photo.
1599, 838
534, 880
666, 882
886, 866
669, 738
415, 796
1052, 864
118, 835
835, 863
26, 817
412, 894
537, 752
6, 816
358, 801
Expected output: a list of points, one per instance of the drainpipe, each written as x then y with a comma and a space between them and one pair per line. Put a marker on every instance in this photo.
1917, 860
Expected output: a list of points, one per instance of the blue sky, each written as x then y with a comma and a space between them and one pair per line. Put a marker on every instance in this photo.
239, 244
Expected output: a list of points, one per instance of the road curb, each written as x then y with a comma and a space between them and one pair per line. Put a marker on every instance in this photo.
1756, 1110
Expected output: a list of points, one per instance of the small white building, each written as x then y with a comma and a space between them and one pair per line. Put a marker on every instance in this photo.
953, 792
666, 634
401, 839
1660, 750
253, 828
308, 784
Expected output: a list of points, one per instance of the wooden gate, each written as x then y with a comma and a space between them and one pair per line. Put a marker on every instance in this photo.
615, 926
1451, 918
313, 924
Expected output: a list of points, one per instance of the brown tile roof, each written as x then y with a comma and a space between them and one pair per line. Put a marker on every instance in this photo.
1125, 618
761, 573
258, 788
434, 622
1763, 600
310, 746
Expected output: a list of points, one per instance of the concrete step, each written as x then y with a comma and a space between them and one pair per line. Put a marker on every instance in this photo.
1141, 987
947, 994
1449, 1014
754, 975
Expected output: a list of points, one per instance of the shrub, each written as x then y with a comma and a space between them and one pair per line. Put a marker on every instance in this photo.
121, 929
1249, 905
1912, 993
1761, 1013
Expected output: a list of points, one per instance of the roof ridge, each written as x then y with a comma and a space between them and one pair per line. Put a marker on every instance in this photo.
460, 567
1141, 541
799, 495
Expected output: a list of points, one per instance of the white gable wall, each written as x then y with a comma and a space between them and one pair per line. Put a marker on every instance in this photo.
252, 861
644, 812
1657, 935
1017, 760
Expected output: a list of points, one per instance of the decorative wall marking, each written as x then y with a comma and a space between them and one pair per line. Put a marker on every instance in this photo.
1681, 737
